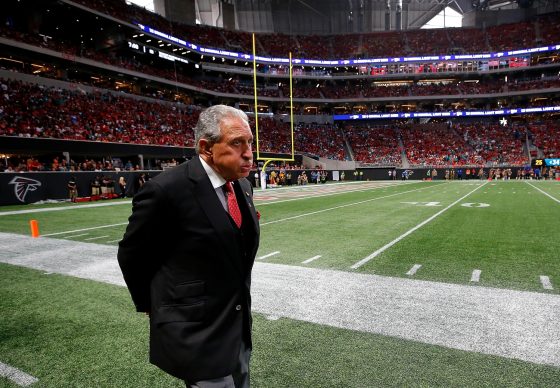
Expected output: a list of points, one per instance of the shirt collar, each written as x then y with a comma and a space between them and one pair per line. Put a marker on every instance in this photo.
215, 178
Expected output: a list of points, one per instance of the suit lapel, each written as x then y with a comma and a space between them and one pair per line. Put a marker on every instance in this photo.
245, 193
212, 207
245, 199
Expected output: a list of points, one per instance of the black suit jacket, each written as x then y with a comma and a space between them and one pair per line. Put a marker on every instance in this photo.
182, 261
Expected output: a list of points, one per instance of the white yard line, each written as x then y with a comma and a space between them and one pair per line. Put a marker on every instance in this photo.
268, 255
76, 235
545, 281
95, 238
311, 259
17, 376
84, 229
389, 245
339, 207
414, 269
544, 192
475, 277
113, 241
56, 209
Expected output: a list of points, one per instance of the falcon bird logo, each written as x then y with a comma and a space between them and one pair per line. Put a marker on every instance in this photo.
24, 185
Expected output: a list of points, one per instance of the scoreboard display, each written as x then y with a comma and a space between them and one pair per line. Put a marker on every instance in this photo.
553, 162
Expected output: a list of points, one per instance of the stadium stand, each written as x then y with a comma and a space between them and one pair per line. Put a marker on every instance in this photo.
424, 86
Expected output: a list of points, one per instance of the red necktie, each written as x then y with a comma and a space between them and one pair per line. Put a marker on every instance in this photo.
233, 207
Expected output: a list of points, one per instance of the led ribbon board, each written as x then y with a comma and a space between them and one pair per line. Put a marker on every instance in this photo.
341, 62
469, 113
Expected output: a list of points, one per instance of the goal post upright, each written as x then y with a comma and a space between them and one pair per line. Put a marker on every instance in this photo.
267, 160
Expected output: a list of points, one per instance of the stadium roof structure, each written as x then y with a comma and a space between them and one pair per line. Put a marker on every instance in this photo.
308, 17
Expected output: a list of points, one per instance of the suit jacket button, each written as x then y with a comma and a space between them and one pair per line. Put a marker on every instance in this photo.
238, 307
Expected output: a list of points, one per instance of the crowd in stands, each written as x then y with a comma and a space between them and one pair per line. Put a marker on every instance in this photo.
36, 111
377, 146
436, 145
545, 135
30, 110
274, 135
429, 41
302, 90
342, 90
346, 46
494, 143
512, 36
58, 163
467, 40
326, 141
382, 44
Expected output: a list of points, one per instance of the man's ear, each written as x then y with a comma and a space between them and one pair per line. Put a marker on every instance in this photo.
205, 147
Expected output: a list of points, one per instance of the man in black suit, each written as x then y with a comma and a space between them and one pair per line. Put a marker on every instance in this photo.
194, 280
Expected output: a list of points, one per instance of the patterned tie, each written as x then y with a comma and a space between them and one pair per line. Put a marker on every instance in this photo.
233, 207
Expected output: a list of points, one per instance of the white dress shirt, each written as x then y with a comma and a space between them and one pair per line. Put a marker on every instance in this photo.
217, 182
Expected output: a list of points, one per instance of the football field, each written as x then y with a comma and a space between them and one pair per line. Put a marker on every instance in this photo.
356, 284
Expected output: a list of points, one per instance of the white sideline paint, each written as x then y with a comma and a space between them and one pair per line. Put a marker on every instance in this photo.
17, 376
84, 229
475, 277
414, 268
339, 207
56, 209
544, 192
545, 281
311, 259
76, 235
95, 238
268, 255
507, 323
389, 245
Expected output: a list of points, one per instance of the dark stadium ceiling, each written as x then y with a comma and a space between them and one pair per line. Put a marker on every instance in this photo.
345, 16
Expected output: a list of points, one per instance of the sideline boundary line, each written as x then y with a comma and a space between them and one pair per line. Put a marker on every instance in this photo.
341, 206
544, 192
82, 230
410, 231
55, 209
17, 376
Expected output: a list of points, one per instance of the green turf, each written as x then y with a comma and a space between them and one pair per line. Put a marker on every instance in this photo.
509, 241
512, 241
71, 332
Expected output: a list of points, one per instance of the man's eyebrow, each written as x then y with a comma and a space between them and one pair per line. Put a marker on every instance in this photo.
240, 137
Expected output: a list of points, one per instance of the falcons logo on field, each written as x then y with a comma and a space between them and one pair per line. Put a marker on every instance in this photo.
24, 185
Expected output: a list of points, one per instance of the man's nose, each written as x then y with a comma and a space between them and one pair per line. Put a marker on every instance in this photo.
248, 153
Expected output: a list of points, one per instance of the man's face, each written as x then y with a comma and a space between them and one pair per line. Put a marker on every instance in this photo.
232, 156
